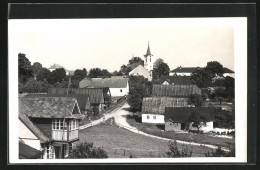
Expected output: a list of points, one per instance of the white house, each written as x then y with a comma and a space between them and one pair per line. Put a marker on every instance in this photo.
141, 71
152, 118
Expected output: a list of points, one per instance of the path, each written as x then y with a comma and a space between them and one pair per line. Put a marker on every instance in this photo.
120, 120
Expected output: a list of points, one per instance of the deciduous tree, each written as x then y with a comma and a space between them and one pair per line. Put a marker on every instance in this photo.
197, 119
24, 68
196, 100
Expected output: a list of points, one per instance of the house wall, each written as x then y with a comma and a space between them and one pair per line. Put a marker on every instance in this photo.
159, 119
116, 91
170, 126
206, 128
44, 124
28, 137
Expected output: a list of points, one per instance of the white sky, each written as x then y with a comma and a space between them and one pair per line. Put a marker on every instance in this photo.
110, 43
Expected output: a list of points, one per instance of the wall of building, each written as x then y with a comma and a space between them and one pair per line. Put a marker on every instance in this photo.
117, 91
170, 126
153, 118
28, 137
206, 128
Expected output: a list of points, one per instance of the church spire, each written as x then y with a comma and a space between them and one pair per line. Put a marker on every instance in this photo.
148, 51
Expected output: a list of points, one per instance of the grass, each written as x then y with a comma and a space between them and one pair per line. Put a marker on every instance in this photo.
157, 130
121, 143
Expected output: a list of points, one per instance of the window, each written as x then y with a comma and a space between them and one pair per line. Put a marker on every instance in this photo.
57, 124
150, 59
154, 117
50, 152
148, 117
121, 90
73, 125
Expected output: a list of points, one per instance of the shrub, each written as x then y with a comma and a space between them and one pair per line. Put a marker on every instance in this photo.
87, 150
221, 153
195, 100
175, 152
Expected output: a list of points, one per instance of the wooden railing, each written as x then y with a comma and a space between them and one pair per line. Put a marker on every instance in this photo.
57, 135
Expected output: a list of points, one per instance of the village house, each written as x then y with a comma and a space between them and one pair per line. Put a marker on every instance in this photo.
49, 124
187, 71
153, 108
118, 85
176, 118
99, 97
174, 80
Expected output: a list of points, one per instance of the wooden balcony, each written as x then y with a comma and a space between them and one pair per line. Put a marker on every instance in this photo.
57, 135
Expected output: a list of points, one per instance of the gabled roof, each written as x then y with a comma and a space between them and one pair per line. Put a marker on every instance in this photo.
49, 107
34, 129
176, 80
27, 152
109, 82
96, 95
175, 90
184, 69
181, 114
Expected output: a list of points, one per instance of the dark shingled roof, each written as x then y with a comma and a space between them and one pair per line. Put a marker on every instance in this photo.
175, 90
49, 107
176, 80
34, 129
82, 99
227, 70
181, 114
148, 52
96, 95
27, 152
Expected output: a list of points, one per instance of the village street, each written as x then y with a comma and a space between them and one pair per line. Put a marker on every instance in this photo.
119, 115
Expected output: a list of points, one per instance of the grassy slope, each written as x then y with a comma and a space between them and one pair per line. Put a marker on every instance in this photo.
198, 138
115, 140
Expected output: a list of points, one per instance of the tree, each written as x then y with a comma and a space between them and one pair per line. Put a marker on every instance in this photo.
197, 119
36, 68
117, 73
79, 74
95, 72
87, 150
215, 68
34, 86
139, 87
162, 70
57, 75
104, 72
136, 60
157, 63
196, 100
229, 84
24, 68
174, 151
202, 78
220, 100
43, 75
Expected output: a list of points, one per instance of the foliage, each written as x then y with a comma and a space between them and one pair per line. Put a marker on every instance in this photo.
79, 74
34, 86
162, 70
204, 96
175, 152
197, 119
221, 153
87, 150
229, 84
224, 119
219, 82
43, 75
215, 68
117, 73
57, 75
125, 69
136, 60
196, 100
25, 71
201, 77
36, 68
139, 87
158, 62
220, 100
96, 72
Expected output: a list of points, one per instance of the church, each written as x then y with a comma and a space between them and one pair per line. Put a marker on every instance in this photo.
147, 69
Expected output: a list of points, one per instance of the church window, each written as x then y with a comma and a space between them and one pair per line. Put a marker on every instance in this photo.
150, 59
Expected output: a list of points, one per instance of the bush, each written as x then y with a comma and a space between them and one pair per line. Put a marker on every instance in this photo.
221, 153
195, 100
175, 152
224, 119
87, 150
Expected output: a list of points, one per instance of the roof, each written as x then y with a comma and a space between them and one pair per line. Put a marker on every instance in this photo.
96, 95
55, 66
34, 129
176, 80
49, 107
181, 114
148, 52
82, 99
227, 70
109, 82
156, 105
175, 90
27, 152
185, 69
141, 71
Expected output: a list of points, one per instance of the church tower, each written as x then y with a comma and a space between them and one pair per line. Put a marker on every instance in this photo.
148, 61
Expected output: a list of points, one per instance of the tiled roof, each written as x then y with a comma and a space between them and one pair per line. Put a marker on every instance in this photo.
34, 129
96, 95
148, 52
82, 99
49, 107
175, 90
176, 80
227, 70
27, 152
109, 82
181, 114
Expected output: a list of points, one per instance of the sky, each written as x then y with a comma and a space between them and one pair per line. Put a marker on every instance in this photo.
110, 43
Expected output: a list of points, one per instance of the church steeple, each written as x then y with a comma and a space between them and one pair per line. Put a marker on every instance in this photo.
148, 62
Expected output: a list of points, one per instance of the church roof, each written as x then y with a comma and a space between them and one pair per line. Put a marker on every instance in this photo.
148, 51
